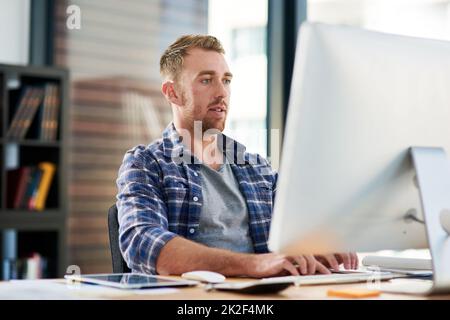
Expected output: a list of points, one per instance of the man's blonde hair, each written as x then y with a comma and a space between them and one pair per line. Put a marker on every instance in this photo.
171, 62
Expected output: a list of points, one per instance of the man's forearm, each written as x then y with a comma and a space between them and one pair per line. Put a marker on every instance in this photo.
181, 255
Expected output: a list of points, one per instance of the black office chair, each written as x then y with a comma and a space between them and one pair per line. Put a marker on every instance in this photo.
118, 263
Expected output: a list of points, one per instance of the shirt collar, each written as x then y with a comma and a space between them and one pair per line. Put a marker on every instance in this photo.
173, 146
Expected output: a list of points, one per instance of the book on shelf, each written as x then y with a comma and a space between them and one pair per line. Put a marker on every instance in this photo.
49, 113
41, 102
33, 187
28, 187
30, 267
48, 171
17, 181
33, 267
14, 128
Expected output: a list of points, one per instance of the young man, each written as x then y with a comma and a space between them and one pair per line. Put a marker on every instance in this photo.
195, 199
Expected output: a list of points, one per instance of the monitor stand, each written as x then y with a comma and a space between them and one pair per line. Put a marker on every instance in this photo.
433, 178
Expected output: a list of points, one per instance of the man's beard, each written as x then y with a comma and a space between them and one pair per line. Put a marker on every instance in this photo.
207, 123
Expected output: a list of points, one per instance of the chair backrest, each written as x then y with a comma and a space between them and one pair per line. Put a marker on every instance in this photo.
118, 263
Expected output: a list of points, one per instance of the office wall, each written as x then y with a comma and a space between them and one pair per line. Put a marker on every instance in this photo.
115, 101
14, 31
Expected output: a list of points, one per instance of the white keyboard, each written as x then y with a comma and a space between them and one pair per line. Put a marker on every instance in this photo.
347, 277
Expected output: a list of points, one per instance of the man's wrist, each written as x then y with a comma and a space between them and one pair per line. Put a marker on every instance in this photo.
240, 264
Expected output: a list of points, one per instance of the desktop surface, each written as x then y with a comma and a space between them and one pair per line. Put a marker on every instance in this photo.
58, 289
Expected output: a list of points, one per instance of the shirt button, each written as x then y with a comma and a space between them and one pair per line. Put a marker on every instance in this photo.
196, 174
195, 199
191, 230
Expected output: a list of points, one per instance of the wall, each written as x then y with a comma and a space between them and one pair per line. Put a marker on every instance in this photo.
14, 31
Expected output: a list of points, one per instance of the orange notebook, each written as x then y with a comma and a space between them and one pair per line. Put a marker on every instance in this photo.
353, 293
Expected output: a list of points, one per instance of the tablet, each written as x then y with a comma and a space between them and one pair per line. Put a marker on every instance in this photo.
130, 280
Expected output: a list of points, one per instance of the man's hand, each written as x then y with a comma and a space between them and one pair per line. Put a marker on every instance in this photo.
272, 265
180, 255
332, 261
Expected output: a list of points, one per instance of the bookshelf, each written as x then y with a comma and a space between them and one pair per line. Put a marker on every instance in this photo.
33, 171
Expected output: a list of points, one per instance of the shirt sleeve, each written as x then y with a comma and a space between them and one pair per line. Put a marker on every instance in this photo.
274, 185
142, 213
270, 174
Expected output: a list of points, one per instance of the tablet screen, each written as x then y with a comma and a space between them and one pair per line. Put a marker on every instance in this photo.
130, 280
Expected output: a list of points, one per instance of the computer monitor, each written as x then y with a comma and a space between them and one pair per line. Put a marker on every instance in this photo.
359, 101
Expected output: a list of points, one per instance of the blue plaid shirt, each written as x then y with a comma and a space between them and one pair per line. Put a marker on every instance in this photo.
160, 197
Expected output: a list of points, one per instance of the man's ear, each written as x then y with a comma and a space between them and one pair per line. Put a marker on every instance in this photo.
168, 90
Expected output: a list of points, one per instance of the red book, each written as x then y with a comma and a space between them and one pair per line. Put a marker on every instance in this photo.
24, 178
12, 183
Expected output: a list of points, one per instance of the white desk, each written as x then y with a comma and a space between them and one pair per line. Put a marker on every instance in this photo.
59, 289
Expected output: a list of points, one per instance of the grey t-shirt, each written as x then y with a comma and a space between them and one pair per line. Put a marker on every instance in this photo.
224, 214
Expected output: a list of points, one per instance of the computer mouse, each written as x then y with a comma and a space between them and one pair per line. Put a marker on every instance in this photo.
204, 276
445, 220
